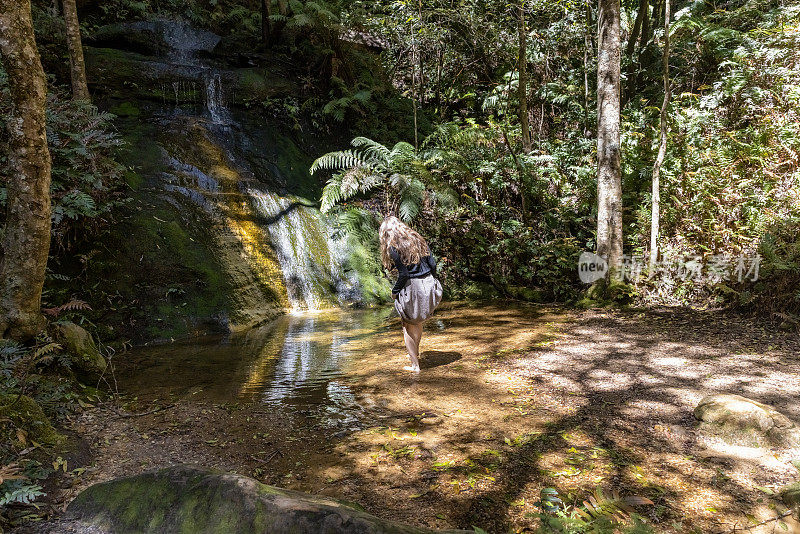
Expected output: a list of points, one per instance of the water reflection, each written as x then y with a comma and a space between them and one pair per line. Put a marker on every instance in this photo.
300, 360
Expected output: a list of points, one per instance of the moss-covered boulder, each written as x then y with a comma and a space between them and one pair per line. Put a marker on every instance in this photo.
24, 413
741, 420
189, 499
87, 362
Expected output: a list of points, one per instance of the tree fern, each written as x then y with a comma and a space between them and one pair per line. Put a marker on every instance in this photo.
370, 166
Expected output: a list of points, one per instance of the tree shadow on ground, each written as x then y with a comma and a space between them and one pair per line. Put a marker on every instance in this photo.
434, 358
604, 402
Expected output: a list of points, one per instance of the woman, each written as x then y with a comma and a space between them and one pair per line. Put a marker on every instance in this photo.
417, 291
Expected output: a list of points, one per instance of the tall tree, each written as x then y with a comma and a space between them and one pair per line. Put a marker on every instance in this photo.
609, 186
80, 89
662, 146
522, 88
26, 239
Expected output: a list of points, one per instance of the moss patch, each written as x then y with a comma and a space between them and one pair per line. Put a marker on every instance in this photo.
26, 414
188, 500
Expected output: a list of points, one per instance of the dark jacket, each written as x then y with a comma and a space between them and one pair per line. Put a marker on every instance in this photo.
426, 266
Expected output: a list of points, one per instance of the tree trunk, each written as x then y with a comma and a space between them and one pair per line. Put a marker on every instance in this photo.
637, 27
522, 89
80, 89
662, 146
609, 187
266, 23
645, 38
26, 242
630, 51
587, 45
439, 67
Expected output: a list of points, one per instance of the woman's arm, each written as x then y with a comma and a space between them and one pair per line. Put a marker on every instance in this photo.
432, 264
402, 273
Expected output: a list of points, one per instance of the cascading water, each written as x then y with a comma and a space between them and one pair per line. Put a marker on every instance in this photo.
185, 43
215, 105
310, 259
223, 183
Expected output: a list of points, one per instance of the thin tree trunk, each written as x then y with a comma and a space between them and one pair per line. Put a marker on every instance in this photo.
522, 88
587, 45
266, 23
439, 67
637, 27
630, 51
609, 186
645, 38
80, 89
662, 146
26, 242
414, 89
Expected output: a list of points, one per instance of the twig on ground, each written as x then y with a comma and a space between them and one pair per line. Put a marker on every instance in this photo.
269, 458
154, 410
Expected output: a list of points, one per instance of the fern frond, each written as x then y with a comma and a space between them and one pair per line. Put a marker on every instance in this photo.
73, 305
343, 159
45, 350
300, 20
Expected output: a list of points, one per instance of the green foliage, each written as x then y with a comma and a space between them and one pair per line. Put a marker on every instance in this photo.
600, 513
19, 492
31, 395
397, 173
87, 180
351, 101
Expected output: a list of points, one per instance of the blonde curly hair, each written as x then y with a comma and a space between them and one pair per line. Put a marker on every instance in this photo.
411, 246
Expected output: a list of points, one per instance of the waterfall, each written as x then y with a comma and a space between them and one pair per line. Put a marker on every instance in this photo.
215, 104
273, 231
310, 259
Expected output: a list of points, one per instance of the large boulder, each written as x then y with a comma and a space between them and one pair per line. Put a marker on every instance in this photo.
189, 499
87, 362
742, 420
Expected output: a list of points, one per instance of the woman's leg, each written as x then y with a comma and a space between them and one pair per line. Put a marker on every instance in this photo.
412, 334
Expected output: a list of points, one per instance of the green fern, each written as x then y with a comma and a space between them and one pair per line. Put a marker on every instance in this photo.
19, 491
370, 166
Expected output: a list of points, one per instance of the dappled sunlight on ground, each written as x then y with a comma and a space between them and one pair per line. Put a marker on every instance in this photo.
510, 400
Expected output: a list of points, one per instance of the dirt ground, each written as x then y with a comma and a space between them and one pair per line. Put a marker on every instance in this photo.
510, 400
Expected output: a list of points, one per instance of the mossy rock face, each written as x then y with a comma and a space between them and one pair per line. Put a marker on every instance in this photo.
26, 414
188, 499
131, 75
87, 362
738, 419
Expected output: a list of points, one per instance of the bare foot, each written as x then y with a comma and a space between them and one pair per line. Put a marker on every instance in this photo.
412, 368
